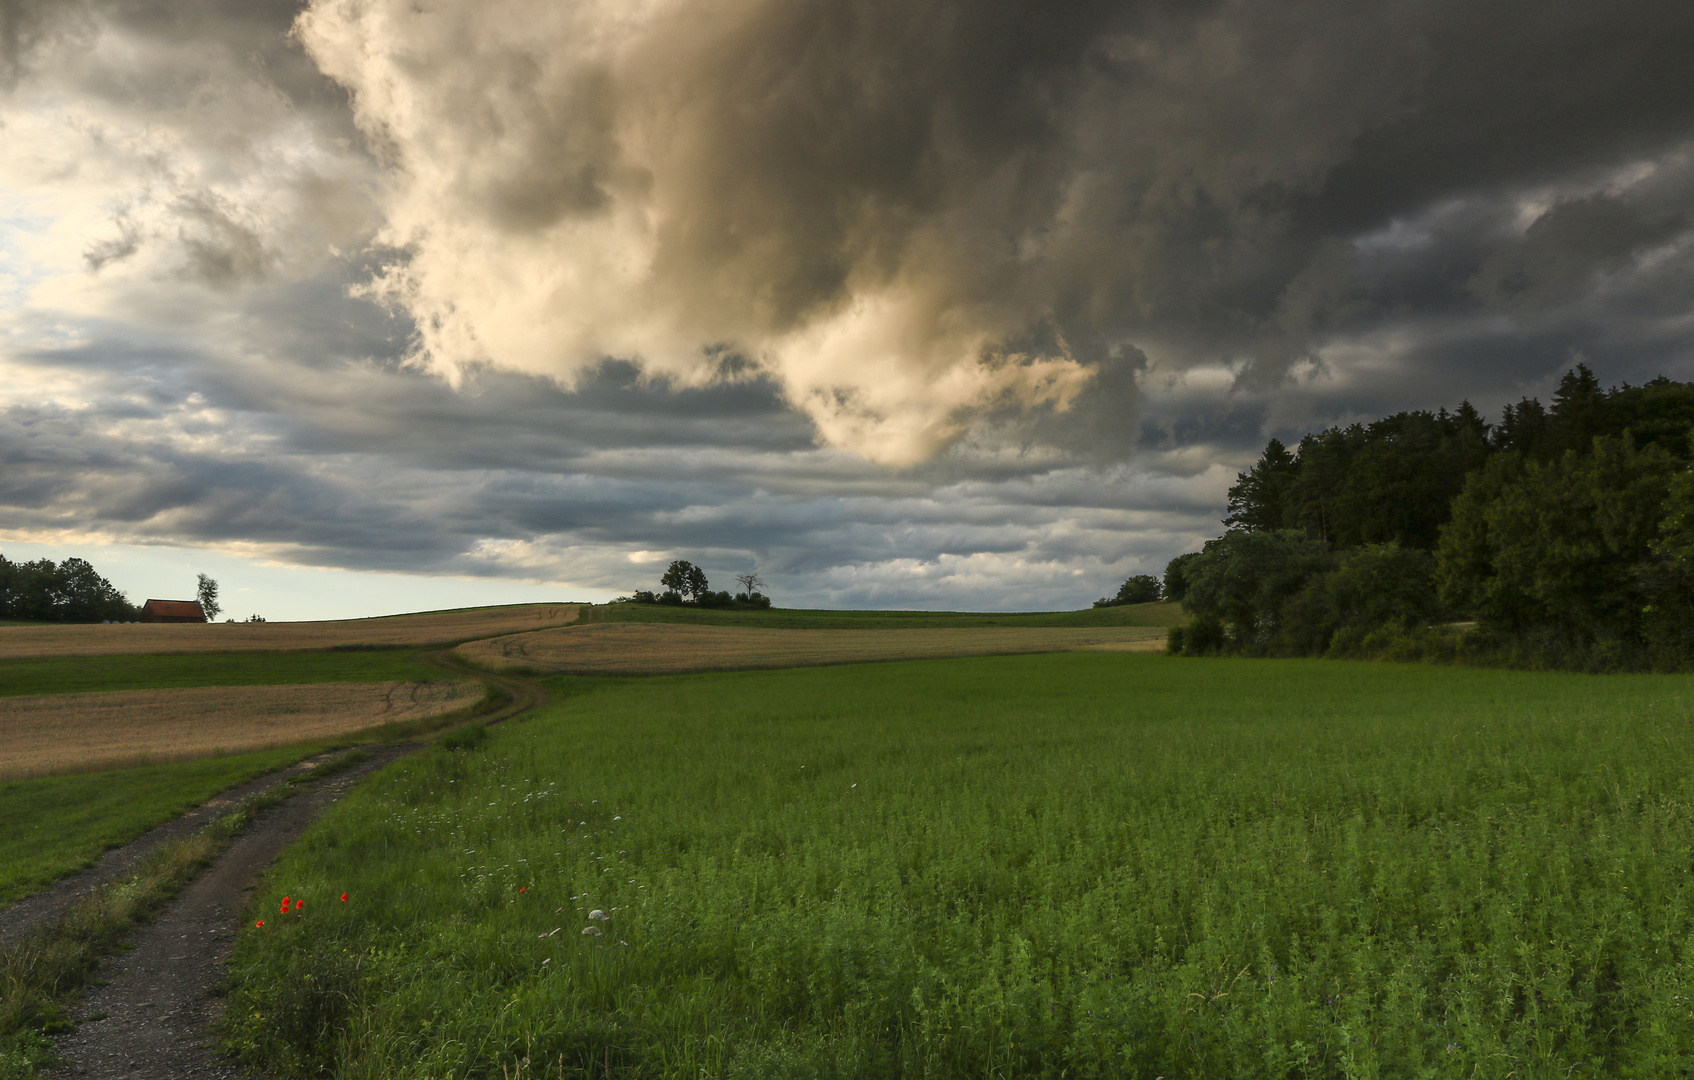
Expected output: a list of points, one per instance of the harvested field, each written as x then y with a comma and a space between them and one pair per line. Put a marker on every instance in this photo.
427, 628
57, 733
657, 648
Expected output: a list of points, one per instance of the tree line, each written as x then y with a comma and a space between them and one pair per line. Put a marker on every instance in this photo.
69, 591
1561, 536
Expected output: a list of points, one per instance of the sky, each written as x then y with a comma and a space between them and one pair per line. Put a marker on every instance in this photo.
366, 306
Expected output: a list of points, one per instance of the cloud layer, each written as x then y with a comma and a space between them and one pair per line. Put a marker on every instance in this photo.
930, 303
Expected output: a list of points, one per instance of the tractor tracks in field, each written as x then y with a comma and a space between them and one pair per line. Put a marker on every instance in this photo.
522, 695
151, 1013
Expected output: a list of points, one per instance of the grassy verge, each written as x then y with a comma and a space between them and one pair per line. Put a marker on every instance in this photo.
42, 971
800, 618
1065, 865
81, 674
61, 824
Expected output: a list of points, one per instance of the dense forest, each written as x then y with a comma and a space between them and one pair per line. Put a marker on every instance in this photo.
1562, 536
70, 591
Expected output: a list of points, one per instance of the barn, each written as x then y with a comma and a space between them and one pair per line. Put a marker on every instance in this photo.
172, 611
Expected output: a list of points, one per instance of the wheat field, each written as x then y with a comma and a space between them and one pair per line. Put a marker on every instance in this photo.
61, 733
429, 628
659, 648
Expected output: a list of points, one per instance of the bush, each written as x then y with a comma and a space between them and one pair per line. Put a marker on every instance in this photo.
1140, 589
469, 737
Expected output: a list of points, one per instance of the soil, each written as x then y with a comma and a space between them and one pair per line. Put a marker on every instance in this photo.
151, 1017
57, 733
52, 902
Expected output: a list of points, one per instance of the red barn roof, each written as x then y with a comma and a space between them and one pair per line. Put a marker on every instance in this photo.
172, 611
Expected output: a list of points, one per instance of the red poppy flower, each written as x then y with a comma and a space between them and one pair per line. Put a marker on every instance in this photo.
523, 890
344, 898
298, 904
260, 925
285, 905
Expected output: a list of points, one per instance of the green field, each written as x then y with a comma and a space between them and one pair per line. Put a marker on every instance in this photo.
58, 824
810, 619
1065, 865
79, 674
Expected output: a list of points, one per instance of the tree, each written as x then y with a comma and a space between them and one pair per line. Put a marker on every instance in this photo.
750, 583
71, 591
207, 594
1176, 575
1371, 587
1256, 500
1242, 580
1560, 546
1140, 589
684, 579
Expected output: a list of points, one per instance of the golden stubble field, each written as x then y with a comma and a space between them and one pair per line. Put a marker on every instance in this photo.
658, 648
58, 733
430, 628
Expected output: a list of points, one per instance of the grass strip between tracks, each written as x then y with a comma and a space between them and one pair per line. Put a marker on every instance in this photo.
40, 973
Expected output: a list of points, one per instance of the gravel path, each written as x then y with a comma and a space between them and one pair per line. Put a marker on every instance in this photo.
43, 907
152, 1018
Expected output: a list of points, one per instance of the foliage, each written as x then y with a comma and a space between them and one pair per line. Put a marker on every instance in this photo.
1558, 546
1395, 480
51, 963
1369, 588
70, 591
60, 824
1243, 580
206, 591
683, 579
469, 737
1560, 531
1139, 589
1176, 576
1080, 865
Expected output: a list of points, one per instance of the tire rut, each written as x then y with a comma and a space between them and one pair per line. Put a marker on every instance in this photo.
38, 909
152, 1017
152, 1014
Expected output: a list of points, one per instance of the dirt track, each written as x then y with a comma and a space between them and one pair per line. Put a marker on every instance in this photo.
152, 1019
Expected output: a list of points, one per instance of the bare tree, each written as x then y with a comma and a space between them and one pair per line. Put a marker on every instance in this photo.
750, 583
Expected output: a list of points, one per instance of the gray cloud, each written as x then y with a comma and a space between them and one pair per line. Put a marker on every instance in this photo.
975, 304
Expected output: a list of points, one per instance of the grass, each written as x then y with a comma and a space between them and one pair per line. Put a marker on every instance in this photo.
52, 963
87, 674
802, 618
60, 824
1063, 865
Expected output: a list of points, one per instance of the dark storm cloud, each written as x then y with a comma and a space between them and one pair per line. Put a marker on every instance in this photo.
973, 190
1064, 267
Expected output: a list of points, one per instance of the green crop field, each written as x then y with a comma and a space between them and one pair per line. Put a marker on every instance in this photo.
1076, 865
58, 824
809, 619
78, 674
